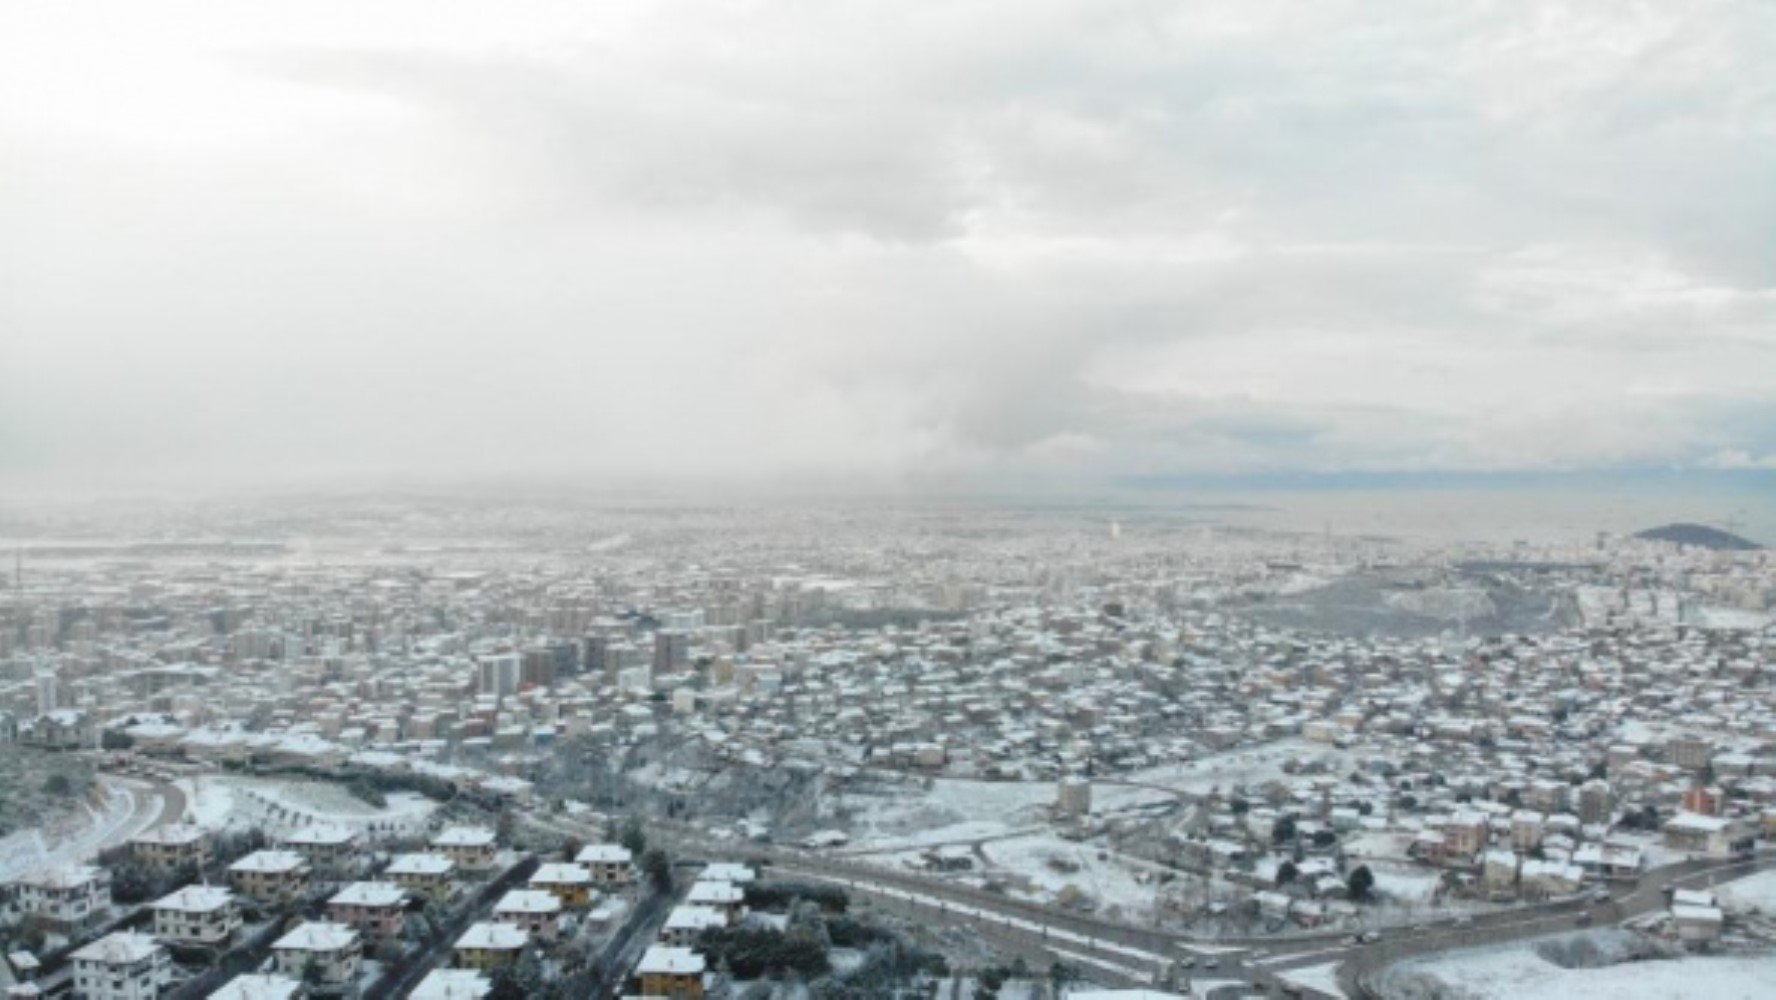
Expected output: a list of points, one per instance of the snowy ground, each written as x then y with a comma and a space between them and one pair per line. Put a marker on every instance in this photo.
1095, 950
1518, 973
1322, 978
952, 811
1402, 884
1652, 848
1252, 766
125, 808
221, 802
958, 810
1387, 845
1756, 892
1043, 861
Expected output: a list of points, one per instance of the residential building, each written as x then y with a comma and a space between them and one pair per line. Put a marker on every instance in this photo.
374, 909
611, 865
1713, 836
452, 984
472, 848
422, 872
270, 876
687, 921
122, 966
204, 915
64, 896
536, 911
666, 971
170, 848
258, 986
569, 883
334, 950
327, 847
725, 897
487, 945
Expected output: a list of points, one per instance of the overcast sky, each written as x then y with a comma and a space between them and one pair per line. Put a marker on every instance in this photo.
248, 241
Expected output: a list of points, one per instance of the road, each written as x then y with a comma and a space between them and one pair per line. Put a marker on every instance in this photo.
1648, 895
400, 981
131, 805
622, 953
1129, 951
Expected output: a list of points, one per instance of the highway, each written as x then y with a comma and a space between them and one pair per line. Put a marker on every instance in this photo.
1124, 954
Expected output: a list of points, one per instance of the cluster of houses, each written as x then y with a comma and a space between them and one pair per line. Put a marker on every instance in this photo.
205, 919
673, 967
1526, 765
556, 891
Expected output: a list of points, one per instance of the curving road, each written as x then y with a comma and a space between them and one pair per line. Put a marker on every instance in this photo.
1648, 895
131, 806
1124, 953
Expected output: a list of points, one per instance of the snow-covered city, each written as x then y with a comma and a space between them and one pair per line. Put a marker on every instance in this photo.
887, 500
360, 748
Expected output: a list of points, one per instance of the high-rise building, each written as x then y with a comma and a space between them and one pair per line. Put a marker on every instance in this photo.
48, 692
672, 650
1073, 797
497, 674
1689, 751
1597, 802
539, 668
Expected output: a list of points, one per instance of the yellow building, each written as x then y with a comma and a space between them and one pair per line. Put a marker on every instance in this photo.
488, 945
569, 883
670, 972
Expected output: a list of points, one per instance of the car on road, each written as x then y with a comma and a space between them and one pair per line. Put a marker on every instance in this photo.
1463, 921
1213, 963
1368, 937
1584, 919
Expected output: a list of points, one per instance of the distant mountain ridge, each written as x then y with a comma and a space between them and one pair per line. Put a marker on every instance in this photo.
1699, 535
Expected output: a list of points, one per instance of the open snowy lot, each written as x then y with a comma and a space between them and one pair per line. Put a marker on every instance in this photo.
1056, 868
951, 811
955, 810
222, 802
1517, 972
1322, 978
120, 809
1758, 892
1250, 766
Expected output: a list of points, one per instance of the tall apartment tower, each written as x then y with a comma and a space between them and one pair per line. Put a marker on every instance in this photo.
1597, 802
672, 650
48, 692
497, 674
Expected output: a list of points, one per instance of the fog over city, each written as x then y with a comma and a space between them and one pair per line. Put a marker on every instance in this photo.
960, 243
829, 500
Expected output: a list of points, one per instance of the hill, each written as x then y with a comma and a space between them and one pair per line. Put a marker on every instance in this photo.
1699, 535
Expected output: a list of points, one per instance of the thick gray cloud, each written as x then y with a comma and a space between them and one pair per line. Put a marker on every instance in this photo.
262, 242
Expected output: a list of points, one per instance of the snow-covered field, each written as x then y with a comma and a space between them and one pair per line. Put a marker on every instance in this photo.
222, 802
1252, 766
1044, 861
1095, 951
951, 811
1518, 973
1756, 892
1322, 978
956, 810
1401, 884
125, 809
